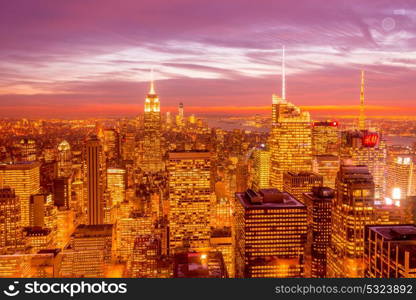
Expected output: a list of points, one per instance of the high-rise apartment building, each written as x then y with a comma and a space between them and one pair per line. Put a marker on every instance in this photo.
146, 251
390, 251
270, 234
352, 210
297, 183
152, 151
319, 204
24, 179
189, 198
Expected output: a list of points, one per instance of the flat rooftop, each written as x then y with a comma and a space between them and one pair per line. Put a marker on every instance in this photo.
268, 199
396, 232
84, 231
201, 154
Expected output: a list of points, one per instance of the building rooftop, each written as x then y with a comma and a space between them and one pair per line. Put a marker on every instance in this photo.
26, 165
268, 199
84, 231
195, 154
396, 232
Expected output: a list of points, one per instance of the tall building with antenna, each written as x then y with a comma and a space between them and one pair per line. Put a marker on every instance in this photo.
152, 152
291, 137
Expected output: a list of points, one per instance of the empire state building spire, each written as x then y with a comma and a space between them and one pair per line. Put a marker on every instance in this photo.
361, 120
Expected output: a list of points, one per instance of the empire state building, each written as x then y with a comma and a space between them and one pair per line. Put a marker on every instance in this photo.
152, 156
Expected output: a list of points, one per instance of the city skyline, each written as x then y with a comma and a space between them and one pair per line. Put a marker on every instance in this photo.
59, 61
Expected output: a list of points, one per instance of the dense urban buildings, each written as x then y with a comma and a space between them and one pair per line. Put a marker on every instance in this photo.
270, 237
180, 195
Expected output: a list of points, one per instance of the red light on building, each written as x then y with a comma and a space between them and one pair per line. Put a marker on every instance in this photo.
370, 139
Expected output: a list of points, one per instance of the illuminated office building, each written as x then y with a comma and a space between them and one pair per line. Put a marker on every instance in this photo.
270, 234
116, 185
401, 177
94, 163
65, 219
327, 166
369, 149
128, 146
302, 182
390, 251
10, 230
93, 237
38, 238
111, 145
221, 215
261, 166
199, 264
28, 149
64, 159
127, 229
189, 198
319, 204
290, 139
180, 118
41, 211
152, 152
241, 175
352, 210
146, 251
222, 240
325, 138
24, 179
82, 263
62, 192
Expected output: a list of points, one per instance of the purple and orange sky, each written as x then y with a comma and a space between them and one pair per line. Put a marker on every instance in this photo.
92, 57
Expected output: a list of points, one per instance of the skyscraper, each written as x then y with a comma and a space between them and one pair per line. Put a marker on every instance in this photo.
390, 251
189, 198
325, 138
290, 138
64, 159
152, 152
24, 179
319, 204
301, 182
270, 234
94, 181
62, 192
116, 185
327, 166
261, 166
10, 229
352, 210
401, 177
367, 148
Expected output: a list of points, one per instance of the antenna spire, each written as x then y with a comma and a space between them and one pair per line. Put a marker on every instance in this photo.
283, 74
361, 120
152, 83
